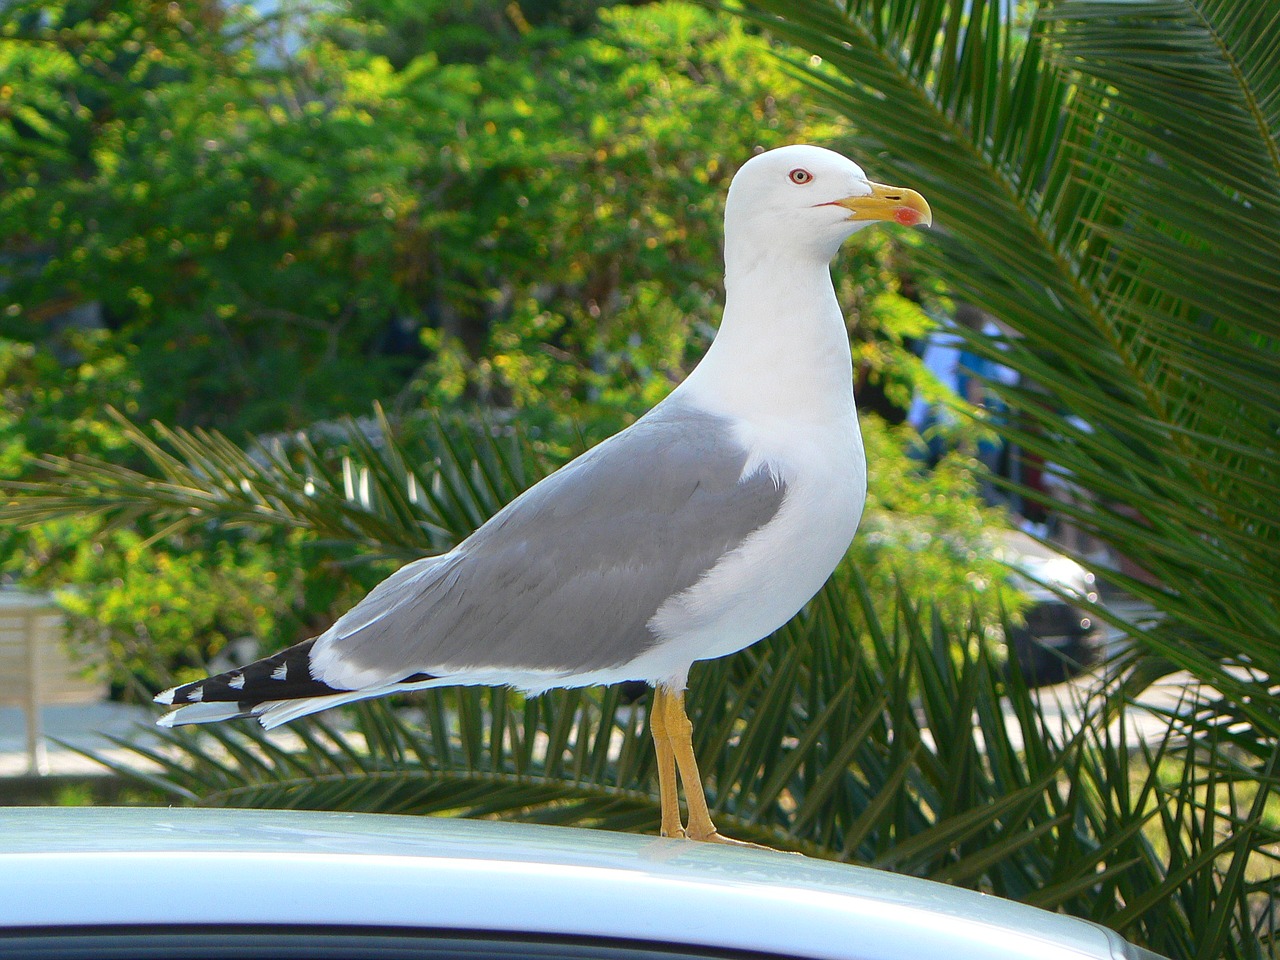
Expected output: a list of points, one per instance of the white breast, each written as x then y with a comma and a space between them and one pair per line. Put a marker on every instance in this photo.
764, 583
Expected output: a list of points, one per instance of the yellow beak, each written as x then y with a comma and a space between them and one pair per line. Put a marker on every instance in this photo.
889, 203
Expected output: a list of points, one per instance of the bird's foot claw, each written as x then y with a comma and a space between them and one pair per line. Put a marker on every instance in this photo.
716, 837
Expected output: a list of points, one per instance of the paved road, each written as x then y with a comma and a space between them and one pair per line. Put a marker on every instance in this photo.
82, 727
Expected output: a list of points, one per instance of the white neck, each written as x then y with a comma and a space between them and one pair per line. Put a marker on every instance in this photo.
782, 348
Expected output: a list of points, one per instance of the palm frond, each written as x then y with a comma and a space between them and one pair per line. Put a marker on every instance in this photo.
895, 749
360, 485
1107, 183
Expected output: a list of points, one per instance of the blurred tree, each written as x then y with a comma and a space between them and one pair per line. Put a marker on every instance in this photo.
467, 31
268, 216
266, 221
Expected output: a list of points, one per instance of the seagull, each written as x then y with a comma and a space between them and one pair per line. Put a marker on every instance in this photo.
691, 534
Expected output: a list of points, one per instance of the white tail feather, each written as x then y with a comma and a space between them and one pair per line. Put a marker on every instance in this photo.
277, 712
210, 712
273, 713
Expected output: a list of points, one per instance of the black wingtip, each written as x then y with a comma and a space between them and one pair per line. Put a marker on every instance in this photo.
282, 676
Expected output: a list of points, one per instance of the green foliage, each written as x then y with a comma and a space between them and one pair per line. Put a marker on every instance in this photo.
604, 252
279, 219
51, 404
137, 612
1107, 184
1129, 234
374, 492
271, 235
147, 613
901, 742
545, 218
196, 219
892, 752
927, 533
270, 222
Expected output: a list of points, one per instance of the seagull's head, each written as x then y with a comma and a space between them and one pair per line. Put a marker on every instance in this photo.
812, 199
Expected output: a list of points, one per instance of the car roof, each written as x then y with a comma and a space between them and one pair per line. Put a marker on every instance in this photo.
94, 866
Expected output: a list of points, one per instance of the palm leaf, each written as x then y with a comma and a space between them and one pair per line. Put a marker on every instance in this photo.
830, 751
905, 746
1107, 183
358, 486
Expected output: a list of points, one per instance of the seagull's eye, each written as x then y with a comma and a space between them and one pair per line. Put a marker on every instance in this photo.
800, 175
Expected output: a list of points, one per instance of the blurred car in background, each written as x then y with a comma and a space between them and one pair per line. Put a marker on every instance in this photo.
1059, 638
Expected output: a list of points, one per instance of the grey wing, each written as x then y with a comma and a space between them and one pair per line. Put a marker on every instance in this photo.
568, 575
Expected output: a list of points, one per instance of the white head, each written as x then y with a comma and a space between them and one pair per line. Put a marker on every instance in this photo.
807, 201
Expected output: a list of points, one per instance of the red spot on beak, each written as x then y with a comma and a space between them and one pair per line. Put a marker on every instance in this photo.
906, 216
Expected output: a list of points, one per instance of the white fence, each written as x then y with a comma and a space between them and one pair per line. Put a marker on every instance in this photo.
35, 668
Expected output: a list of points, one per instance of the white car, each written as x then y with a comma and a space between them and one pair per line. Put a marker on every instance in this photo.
1058, 638
203, 884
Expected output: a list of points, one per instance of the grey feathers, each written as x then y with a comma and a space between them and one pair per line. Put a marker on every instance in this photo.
567, 576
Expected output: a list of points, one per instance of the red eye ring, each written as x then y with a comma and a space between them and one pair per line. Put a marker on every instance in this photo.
800, 175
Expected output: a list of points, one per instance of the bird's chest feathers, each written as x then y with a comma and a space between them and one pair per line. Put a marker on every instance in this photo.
762, 584
823, 468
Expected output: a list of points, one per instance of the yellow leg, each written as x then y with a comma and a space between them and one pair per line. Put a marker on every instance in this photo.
671, 826
679, 731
